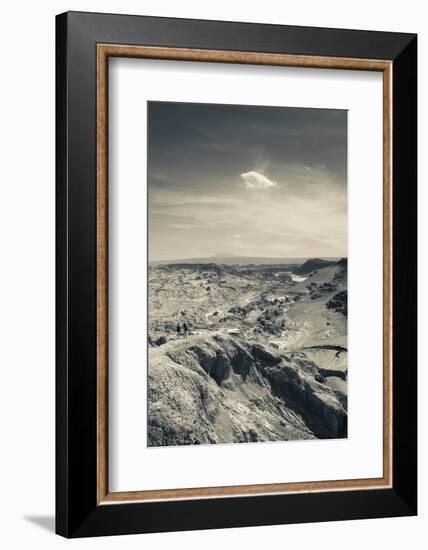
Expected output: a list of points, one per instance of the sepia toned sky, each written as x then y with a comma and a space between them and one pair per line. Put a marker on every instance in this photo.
246, 181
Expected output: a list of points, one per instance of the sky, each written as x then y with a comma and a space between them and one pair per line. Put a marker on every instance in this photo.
246, 181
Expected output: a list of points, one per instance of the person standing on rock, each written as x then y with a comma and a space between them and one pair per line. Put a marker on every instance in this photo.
185, 330
178, 330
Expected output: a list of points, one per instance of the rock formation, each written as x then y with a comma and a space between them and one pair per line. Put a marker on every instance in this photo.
265, 359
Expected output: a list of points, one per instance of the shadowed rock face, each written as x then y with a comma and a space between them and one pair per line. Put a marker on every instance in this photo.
339, 303
220, 389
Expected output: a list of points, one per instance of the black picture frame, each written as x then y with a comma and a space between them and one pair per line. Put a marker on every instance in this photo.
77, 511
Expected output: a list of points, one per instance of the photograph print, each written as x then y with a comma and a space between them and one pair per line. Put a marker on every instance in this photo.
247, 274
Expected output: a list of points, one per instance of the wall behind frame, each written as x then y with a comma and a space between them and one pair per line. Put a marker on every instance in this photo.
27, 271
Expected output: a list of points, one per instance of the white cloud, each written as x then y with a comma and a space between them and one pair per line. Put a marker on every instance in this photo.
255, 180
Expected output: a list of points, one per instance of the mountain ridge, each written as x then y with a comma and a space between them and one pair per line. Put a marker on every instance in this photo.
230, 259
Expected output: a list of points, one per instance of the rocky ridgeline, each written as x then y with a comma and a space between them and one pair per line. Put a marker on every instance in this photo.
223, 389
313, 264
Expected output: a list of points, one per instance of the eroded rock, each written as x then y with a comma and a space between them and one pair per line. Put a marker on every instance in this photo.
221, 390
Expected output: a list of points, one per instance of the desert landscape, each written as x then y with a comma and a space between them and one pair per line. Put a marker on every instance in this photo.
264, 356
247, 274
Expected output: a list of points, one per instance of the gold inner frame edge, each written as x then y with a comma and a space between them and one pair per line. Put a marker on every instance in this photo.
104, 52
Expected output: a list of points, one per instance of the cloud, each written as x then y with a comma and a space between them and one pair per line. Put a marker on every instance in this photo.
255, 180
184, 226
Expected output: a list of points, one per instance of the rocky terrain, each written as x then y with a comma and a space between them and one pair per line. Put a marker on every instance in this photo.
265, 358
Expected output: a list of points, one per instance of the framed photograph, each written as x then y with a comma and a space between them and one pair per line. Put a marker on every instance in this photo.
236, 274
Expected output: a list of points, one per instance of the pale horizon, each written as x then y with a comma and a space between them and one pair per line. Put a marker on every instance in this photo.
232, 256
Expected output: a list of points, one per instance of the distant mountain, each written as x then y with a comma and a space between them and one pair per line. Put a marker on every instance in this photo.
313, 264
224, 255
229, 259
